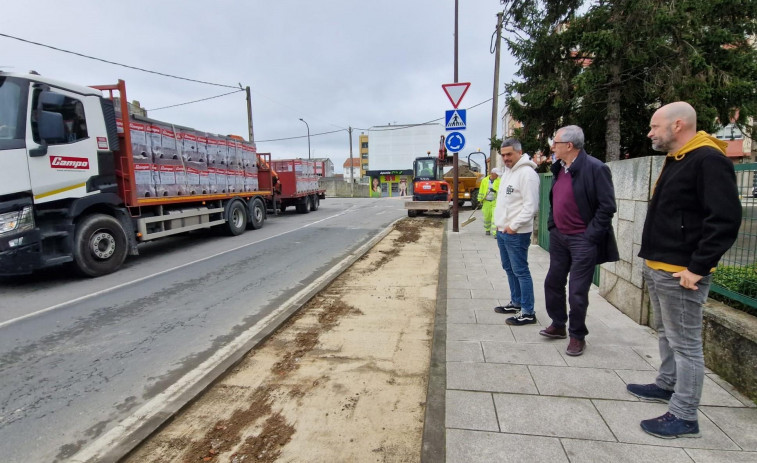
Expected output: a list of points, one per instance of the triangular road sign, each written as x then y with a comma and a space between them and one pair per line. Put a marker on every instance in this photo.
456, 92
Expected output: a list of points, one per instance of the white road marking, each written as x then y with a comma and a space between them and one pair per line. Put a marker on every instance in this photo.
122, 285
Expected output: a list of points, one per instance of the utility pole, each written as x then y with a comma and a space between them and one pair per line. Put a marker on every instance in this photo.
251, 134
493, 159
352, 169
455, 170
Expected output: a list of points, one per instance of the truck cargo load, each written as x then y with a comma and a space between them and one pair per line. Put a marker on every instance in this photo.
83, 181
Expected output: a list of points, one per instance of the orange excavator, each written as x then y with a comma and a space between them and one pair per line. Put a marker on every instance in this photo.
430, 192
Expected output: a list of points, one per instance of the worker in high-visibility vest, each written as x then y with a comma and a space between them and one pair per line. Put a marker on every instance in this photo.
487, 197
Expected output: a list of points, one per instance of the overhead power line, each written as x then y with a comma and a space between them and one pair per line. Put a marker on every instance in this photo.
301, 136
115, 63
196, 101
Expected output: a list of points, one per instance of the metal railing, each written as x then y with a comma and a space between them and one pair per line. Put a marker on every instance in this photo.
736, 275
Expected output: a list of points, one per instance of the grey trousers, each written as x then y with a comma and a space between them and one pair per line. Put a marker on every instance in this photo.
678, 321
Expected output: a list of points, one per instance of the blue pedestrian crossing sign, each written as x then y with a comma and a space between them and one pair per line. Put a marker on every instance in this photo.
454, 119
454, 142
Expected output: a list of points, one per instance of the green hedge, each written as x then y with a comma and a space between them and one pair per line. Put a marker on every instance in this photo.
742, 280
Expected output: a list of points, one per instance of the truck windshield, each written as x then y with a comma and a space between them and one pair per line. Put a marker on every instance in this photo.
12, 111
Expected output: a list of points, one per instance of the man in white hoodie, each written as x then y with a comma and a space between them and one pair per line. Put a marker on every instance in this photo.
517, 204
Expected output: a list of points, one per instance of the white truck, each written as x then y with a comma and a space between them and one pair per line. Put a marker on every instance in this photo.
82, 181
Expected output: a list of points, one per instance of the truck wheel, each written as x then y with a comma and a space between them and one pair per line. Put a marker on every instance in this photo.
257, 214
446, 214
236, 220
474, 198
460, 202
100, 245
303, 207
412, 213
315, 202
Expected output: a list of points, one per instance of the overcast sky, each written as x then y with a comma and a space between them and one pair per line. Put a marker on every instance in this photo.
334, 63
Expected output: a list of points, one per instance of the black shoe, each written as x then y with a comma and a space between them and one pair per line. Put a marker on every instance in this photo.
669, 426
521, 319
509, 308
650, 392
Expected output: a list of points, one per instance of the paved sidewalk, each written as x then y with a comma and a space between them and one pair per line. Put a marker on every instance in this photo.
513, 395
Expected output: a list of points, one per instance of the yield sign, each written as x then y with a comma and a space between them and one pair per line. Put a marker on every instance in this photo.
456, 92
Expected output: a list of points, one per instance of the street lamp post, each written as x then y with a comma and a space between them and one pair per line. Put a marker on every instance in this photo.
306, 125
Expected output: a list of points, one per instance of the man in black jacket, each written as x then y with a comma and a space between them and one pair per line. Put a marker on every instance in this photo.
582, 203
693, 219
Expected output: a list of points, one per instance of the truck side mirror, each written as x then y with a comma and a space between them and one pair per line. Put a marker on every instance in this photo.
50, 127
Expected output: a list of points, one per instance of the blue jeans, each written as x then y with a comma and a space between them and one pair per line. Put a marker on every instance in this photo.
678, 321
513, 252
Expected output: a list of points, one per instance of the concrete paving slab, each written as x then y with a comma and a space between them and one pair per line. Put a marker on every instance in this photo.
740, 424
468, 303
457, 293
550, 416
721, 456
603, 452
486, 447
461, 316
521, 353
490, 377
484, 293
488, 316
466, 283
464, 351
712, 393
530, 333
579, 382
476, 332
602, 334
624, 417
746, 401
470, 410
611, 357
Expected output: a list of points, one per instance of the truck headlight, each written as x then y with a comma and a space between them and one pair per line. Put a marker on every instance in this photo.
17, 221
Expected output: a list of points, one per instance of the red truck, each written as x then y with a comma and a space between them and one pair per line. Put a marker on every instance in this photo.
80, 183
297, 185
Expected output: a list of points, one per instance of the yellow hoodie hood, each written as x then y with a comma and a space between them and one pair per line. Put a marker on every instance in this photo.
701, 139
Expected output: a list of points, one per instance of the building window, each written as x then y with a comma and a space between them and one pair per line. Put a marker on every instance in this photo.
730, 132
364, 144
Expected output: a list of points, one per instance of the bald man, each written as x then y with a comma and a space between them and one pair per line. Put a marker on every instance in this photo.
692, 220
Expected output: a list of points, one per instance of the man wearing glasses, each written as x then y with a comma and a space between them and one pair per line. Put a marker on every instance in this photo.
582, 203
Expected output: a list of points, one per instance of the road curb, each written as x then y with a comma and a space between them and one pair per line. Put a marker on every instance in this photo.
130, 432
433, 449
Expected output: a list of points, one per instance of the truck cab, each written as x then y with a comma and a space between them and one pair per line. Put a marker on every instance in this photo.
55, 152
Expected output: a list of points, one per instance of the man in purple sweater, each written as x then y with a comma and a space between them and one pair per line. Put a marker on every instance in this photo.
582, 203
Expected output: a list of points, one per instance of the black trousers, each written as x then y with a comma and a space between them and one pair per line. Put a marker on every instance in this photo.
576, 256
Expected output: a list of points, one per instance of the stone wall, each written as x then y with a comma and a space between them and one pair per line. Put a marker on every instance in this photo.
621, 282
338, 188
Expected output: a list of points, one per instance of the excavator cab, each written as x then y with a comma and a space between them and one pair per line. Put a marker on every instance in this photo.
428, 184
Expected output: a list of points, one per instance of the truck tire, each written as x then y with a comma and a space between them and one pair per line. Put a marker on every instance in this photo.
303, 207
446, 214
257, 214
474, 198
236, 219
412, 213
100, 245
315, 202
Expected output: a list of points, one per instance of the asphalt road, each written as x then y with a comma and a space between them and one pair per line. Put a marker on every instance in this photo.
78, 356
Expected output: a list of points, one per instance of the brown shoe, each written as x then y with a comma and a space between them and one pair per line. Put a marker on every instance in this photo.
575, 347
553, 332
